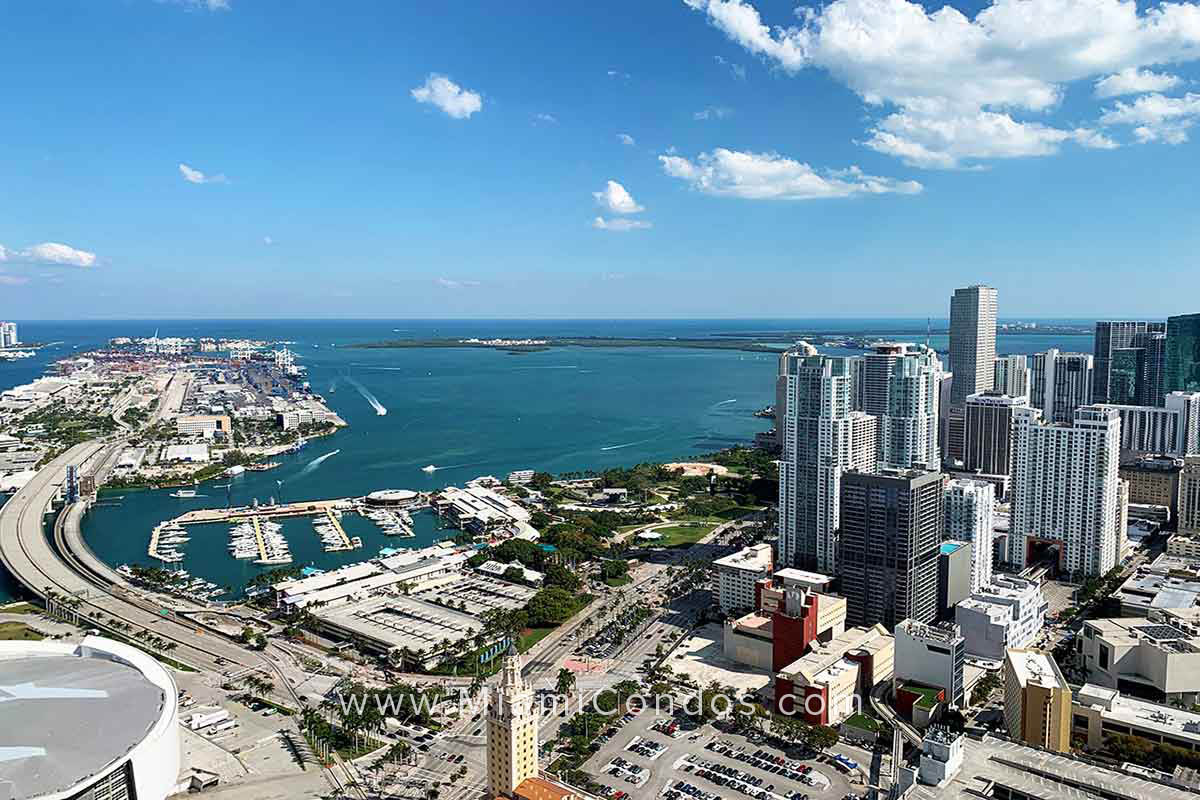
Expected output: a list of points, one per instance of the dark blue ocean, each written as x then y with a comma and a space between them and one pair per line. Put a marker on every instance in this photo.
469, 412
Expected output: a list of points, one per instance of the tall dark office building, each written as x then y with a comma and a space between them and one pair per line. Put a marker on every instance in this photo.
1125, 363
1155, 376
1183, 354
1060, 383
891, 531
989, 432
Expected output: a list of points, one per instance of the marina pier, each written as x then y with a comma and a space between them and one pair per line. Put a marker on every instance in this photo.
261, 538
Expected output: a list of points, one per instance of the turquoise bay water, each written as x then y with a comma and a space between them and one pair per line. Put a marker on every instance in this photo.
469, 412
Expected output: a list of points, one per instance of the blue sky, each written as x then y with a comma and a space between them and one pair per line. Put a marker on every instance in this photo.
248, 158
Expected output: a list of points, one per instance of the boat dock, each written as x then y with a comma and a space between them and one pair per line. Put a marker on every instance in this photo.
155, 535
258, 537
337, 525
175, 538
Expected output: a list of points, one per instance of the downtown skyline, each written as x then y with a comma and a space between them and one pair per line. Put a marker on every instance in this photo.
230, 159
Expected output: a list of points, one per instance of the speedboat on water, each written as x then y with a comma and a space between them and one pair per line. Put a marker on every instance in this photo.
429, 468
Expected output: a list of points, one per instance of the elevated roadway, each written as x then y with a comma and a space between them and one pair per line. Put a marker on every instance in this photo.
73, 570
27, 554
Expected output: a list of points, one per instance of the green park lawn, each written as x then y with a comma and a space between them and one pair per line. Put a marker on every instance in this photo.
18, 631
684, 534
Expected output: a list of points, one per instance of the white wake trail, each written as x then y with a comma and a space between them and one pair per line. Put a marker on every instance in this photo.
311, 466
370, 398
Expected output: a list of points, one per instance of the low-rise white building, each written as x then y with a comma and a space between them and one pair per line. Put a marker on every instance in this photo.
738, 573
941, 756
1158, 655
497, 569
479, 509
412, 568
1006, 614
1098, 713
1170, 581
206, 425
190, 453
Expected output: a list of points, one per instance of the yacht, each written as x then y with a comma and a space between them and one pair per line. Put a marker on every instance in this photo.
183, 493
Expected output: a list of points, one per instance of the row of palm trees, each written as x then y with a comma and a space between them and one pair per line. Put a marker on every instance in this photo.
57, 602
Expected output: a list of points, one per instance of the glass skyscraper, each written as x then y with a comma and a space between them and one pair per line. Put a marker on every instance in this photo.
1183, 353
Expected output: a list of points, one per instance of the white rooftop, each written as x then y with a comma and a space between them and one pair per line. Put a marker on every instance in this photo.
1036, 668
752, 559
791, 576
1142, 713
68, 716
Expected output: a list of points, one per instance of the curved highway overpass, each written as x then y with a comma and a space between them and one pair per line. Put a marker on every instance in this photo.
74, 570
27, 554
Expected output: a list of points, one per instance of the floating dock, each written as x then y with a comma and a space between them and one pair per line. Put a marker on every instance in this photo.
258, 537
337, 525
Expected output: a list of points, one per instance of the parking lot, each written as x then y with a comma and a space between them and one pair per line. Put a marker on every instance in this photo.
252, 744
644, 761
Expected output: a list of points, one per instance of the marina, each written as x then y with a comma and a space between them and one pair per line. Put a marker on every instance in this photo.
256, 533
333, 535
167, 541
392, 523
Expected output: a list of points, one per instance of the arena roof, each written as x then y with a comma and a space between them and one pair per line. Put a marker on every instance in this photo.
69, 719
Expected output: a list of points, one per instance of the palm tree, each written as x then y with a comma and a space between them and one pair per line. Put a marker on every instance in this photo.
565, 683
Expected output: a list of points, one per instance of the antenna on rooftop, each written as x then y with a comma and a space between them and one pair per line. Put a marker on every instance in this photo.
928, 330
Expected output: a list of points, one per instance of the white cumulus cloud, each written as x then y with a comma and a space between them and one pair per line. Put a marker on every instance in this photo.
52, 253
625, 138
620, 225
1135, 81
769, 176
953, 88
549, 119
193, 175
616, 199
455, 101
945, 141
1156, 118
